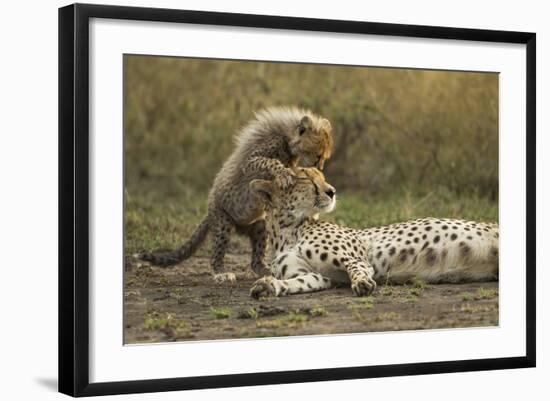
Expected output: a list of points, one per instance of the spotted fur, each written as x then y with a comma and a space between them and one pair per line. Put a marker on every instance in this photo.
273, 142
308, 254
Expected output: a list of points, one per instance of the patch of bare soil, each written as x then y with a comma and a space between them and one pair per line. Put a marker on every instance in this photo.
183, 303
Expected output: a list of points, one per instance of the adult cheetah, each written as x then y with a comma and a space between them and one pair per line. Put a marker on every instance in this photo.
308, 254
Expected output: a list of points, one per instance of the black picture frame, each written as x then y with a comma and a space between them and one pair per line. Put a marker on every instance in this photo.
74, 198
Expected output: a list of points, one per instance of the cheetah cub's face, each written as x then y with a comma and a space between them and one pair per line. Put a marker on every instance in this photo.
308, 197
312, 141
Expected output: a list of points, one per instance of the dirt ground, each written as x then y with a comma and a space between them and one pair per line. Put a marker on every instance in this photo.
182, 303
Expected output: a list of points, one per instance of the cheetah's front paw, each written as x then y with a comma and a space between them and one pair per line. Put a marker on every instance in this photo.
264, 287
220, 278
363, 286
285, 179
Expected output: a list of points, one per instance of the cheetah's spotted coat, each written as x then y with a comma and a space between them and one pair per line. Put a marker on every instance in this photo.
311, 255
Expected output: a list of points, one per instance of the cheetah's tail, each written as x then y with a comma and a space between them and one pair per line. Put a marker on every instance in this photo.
171, 258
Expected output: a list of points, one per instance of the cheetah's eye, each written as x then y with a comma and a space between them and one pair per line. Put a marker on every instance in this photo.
316, 189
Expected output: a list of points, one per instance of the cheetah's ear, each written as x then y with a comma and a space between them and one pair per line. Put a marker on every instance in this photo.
326, 125
264, 189
305, 124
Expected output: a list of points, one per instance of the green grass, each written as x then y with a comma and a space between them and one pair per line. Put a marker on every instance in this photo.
419, 284
296, 317
466, 296
386, 290
166, 322
220, 313
318, 311
368, 211
150, 224
153, 223
486, 293
156, 323
251, 313
481, 293
362, 303
412, 298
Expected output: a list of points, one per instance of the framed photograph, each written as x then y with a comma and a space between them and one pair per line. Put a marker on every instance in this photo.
251, 199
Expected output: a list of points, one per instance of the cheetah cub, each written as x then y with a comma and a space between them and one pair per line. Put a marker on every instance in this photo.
276, 140
312, 255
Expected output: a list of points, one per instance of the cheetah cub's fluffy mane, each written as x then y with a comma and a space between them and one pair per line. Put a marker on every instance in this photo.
282, 121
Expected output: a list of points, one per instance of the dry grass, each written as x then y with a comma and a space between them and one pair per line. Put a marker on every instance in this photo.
394, 129
408, 143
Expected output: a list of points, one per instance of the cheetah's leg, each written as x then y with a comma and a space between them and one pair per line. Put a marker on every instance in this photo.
258, 241
292, 276
222, 227
361, 274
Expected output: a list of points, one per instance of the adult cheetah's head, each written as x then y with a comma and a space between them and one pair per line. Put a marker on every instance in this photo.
309, 196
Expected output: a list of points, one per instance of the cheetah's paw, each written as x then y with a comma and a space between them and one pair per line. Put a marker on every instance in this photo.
264, 287
285, 179
363, 286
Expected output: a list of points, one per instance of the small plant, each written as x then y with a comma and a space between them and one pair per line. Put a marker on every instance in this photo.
157, 322
466, 296
412, 298
167, 323
318, 311
486, 293
481, 293
290, 320
296, 317
367, 302
362, 303
415, 291
177, 292
387, 290
419, 284
220, 313
251, 313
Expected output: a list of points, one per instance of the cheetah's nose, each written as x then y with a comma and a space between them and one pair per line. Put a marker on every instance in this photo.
330, 192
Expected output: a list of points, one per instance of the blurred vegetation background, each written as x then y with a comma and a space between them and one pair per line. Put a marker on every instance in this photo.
408, 143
